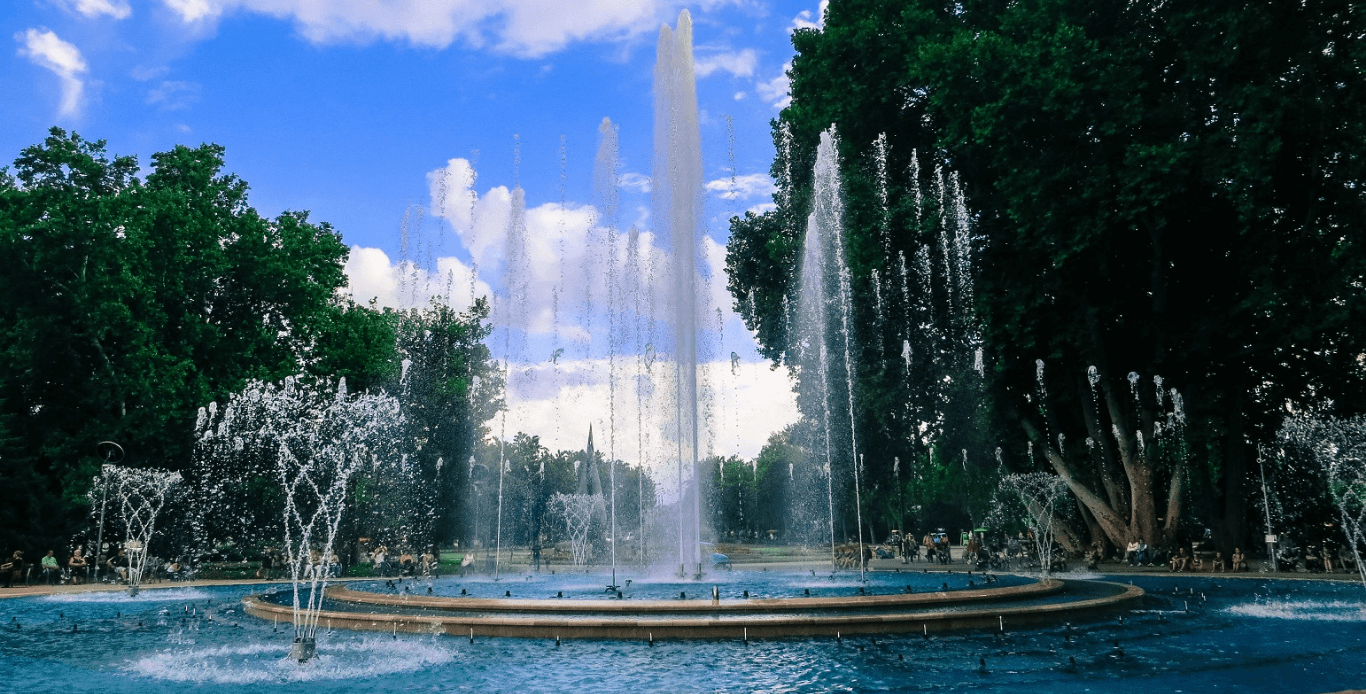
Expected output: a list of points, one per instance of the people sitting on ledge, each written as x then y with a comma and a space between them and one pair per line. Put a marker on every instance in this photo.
1180, 561
1313, 563
77, 566
52, 572
1238, 562
1219, 564
13, 570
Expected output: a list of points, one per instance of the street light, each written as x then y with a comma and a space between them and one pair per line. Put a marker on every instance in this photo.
113, 453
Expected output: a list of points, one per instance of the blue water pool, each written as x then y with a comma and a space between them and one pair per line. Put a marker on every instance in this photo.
1244, 635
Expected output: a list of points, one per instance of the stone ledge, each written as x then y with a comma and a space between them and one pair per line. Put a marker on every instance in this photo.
751, 626
1037, 589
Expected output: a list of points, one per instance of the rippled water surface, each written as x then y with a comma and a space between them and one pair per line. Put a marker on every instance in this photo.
1244, 635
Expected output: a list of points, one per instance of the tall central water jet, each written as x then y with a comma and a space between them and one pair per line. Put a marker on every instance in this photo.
823, 314
677, 212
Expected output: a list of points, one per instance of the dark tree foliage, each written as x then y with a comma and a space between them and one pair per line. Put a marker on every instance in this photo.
127, 304
1168, 190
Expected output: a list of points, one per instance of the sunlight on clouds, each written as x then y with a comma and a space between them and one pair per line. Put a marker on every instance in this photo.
45, 50
372, 276
527, 28
565, 335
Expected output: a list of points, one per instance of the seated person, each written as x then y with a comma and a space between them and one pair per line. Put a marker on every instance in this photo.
1346, 560
1180, 561
1287, 557
118, 566
1219, 564
1238, 562
1196, 563
1096, 556
405, 562
1131, 553
174, 571
971, 550
13, 570
77, 564
51, 571
1312, 561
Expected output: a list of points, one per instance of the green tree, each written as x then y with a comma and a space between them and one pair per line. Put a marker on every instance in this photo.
1151, 189
125, 305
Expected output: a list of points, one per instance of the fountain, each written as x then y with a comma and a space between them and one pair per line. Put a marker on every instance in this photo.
1339, 448
677, 190
816, 324
139, 495
315, 439
1037, 494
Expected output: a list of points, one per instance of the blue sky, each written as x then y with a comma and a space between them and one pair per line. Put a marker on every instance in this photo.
356, 109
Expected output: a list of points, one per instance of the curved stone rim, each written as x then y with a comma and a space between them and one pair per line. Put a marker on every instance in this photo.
1039, 588
750, 626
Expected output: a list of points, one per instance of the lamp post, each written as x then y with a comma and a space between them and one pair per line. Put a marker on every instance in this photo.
113, 453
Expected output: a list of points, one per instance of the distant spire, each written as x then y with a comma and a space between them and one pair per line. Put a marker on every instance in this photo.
589, 480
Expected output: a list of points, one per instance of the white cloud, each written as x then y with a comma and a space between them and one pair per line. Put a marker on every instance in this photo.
739, 96
559, 401
559, 336
742, 187
44, 49
762, 208
737, 63
118, 9
635, 181
173, 96
372, 276
526, 28
775, 91
803, 19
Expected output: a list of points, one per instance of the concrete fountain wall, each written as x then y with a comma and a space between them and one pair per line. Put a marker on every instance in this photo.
987, 609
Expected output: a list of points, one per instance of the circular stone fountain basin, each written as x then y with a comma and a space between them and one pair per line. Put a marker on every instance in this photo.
1250, 635
977, 609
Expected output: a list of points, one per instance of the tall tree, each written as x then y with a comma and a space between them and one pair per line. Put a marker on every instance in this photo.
1156, 190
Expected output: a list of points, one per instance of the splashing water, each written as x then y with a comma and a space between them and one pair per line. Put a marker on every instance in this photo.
139, 495
316, 440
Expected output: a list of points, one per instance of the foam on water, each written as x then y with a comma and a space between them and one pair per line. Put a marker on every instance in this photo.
1308, 610
119, 596
253, 663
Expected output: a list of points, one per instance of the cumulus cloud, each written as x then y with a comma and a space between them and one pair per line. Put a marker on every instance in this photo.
44, 49
804, 19
526, 28
572, 361
373, 278
775, 91
559, 401
737, 63
118, 9
742, 187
